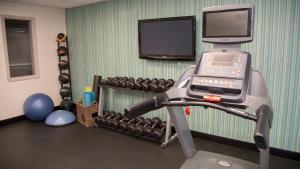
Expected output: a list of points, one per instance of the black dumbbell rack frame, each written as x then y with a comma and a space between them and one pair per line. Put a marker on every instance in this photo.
169, 136
128, 89
65, 57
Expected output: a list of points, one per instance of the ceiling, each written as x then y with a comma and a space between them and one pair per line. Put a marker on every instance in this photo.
57, 3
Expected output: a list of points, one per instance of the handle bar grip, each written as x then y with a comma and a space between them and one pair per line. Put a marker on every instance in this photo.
145, 106
261, 134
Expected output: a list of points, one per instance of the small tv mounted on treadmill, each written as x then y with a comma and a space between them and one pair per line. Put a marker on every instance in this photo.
227, 24
167, 38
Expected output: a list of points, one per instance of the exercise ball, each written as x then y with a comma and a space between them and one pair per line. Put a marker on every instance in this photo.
38, 106
60, 118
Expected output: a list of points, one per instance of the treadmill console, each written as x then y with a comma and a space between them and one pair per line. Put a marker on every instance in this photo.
223, 75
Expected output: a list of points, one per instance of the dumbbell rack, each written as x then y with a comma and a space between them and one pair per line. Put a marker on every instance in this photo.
169, 136
67, 70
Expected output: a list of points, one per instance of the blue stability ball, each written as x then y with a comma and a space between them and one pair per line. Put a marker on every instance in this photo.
38, 106
60, 118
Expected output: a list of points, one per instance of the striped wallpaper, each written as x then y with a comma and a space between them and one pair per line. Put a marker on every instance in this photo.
103, 40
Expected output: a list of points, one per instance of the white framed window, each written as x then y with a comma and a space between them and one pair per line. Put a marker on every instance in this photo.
20, 47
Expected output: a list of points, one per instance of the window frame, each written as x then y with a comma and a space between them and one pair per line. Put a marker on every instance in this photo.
33, 45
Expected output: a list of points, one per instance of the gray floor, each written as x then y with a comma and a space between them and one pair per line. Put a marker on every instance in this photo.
32, 145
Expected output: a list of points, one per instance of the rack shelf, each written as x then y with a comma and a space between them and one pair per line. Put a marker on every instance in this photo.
169, 136
67, 70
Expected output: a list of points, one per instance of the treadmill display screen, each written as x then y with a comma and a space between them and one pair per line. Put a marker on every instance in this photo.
227, 23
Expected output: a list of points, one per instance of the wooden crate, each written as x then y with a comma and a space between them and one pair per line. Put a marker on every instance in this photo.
86, 115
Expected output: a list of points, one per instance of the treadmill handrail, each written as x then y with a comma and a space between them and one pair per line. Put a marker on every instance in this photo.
232, 111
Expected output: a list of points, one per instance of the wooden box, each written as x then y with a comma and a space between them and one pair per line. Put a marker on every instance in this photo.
86, 115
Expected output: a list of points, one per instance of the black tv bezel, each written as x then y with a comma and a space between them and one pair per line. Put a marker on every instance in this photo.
249, 10
166, 56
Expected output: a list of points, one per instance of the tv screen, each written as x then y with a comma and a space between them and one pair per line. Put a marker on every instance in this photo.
232, 24
167, 38
227, 24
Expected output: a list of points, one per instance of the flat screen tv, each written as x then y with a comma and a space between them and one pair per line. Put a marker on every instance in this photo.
227, 24
167, 38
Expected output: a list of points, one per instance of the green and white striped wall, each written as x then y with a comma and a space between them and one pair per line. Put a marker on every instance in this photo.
103, 40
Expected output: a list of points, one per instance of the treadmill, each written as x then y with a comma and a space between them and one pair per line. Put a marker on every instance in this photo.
222, 79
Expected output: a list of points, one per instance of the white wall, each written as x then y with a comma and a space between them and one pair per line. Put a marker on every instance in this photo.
49, 22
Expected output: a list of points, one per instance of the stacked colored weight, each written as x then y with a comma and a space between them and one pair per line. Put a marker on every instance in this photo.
64, 70
61, 37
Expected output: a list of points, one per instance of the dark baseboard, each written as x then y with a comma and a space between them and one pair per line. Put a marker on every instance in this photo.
18, 118
246, 145
11, 120
285, 153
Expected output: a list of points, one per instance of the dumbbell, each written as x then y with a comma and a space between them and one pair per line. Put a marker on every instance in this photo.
162, 81
139, 129
124, 124
137, 86
131, 79
104, 121
153, 86
161, 87
164, 85
131, 127
158, 133
130, 84
146, 80
106, 114
154, 80
103, 82
123, 83
138, 83
116, 123
170, 83
115, 83
139, 80
124, 78
145, 86
149, 129
119, 82
111, 120
158, 85
133, 85
110, 81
